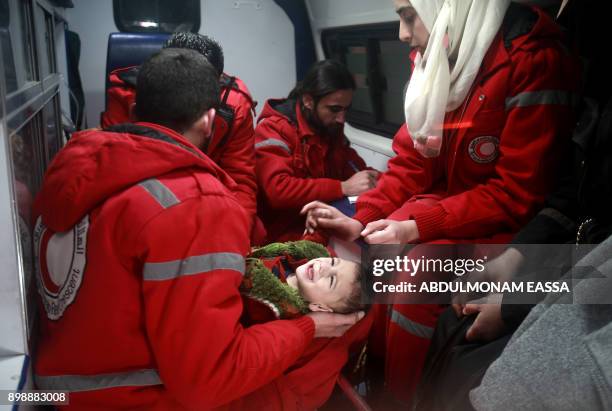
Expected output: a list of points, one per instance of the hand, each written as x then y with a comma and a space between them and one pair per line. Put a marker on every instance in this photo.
488, 324
360, 182
503, 267
331, 220
458, 309
391, 232
332, 324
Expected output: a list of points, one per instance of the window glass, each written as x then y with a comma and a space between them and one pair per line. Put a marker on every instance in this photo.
357, 63
51, 130
27, 165
395, 69
45, 40
27, 29
381, 66
15, 42
157, 16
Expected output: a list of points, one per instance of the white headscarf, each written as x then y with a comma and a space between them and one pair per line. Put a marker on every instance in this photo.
434, 87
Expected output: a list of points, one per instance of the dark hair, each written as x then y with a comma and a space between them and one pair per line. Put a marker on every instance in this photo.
354, 302
175, 87
204, 45
323, 78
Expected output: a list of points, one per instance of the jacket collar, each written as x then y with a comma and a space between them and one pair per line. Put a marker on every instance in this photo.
304, 126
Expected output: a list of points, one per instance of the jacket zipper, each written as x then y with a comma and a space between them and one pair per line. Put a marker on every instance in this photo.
456, 133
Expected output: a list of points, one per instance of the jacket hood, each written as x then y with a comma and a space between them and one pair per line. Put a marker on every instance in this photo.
280, 107
525, 26
97, 164
288, 110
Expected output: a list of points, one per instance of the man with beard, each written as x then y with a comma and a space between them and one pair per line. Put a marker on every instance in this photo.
302, 152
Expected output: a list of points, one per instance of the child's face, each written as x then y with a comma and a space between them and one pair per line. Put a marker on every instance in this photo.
327, 282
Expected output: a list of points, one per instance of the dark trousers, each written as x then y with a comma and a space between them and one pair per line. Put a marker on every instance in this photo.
453, 365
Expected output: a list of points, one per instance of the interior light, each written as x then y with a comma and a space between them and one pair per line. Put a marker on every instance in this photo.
147, 24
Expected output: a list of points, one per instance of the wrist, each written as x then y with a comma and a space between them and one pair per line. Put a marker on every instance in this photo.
356, 229
344, 188
504, 267
410, 231
514, 258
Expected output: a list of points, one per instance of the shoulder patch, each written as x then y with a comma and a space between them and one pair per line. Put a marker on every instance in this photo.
60, 260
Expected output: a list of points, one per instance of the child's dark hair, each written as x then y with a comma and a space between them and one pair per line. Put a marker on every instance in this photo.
356, 301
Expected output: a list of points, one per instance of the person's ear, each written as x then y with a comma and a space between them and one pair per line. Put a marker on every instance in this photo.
132, 113
201, 130
205, 123
308, 101
320, 307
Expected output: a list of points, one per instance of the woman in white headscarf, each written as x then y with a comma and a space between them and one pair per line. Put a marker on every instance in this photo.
488, 114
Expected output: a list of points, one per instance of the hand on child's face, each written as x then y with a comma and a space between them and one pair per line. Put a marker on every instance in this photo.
327, 281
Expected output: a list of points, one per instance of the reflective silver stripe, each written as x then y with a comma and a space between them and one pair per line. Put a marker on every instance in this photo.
160, 192
273, 142
543, 97
193, 265
74, 383
410, 326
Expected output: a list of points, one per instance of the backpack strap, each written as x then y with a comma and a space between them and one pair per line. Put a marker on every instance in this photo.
226, 112
128, 76
227, 83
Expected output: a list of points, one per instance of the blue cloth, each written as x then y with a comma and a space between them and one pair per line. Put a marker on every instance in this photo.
345, 206
348, 209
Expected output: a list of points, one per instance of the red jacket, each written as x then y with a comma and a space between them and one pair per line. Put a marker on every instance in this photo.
310, 382
140, 252
231, 149
296, 166
317, 371
501, 148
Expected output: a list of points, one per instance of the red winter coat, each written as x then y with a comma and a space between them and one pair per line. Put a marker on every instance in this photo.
140, 253
232, 151
501, 148
296, 166
310, 381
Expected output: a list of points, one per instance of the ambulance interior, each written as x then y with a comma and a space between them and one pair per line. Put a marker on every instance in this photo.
56, 56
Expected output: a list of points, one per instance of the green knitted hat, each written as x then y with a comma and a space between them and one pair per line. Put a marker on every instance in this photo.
262, 285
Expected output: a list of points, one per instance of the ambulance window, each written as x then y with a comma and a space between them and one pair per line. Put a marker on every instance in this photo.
381, 66
16, 43
45, 37
157, 16
30, 127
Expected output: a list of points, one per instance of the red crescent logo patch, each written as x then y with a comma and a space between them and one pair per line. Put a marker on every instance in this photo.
60, 264
484, 149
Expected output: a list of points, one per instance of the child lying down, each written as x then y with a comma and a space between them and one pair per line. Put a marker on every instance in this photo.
293, 278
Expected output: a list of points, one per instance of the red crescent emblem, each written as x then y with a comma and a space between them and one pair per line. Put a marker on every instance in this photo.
484, 149
50, 286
